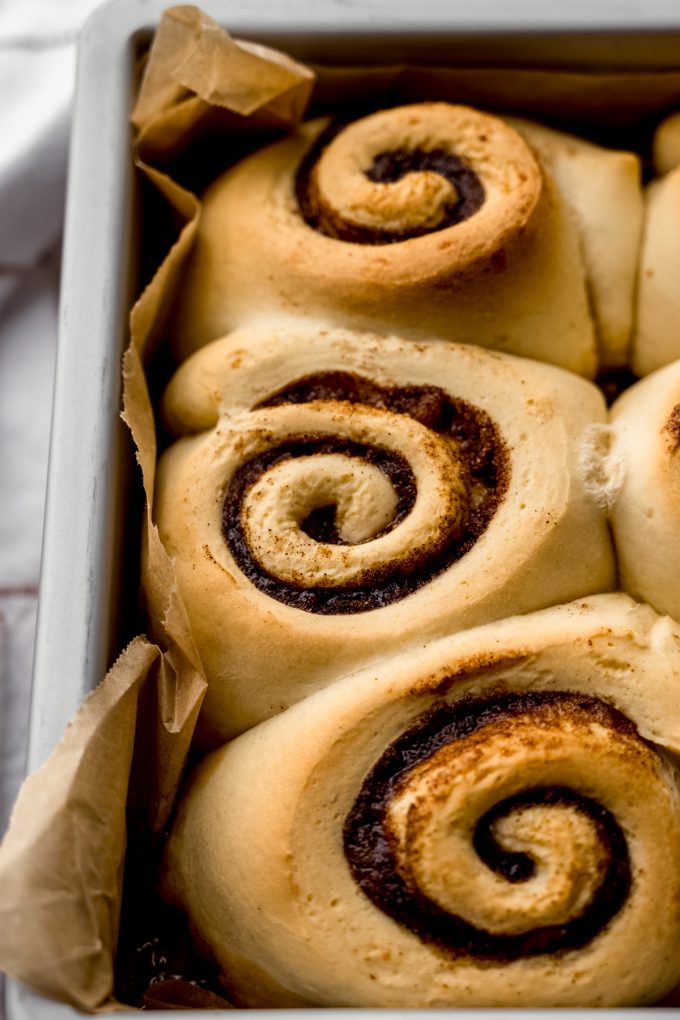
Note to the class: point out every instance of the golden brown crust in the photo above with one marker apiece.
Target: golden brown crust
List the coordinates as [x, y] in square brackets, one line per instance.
[508, 276]
[646, 512]
[666, 144]
[657, 337]
[603, 192]
[532, 799]
[531, 533]
[509, 180]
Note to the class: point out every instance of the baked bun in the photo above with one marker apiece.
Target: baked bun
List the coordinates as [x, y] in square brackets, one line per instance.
[432, 220]
[490, 820]
[657, 338]
[356, 494]
[666, 144]
[646, 513]
[602, 190]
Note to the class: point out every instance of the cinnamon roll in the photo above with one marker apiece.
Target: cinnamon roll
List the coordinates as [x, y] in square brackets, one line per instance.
[645, 451]
[657, 335]
[430, 219]
[666, 144]
[353, 494]
[490, 820]
[603, 192]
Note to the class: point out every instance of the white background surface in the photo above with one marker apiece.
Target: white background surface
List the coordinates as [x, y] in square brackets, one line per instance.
[37, 61]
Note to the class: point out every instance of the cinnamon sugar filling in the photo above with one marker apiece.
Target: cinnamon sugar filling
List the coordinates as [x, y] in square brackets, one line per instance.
[478, 445]
[372, 856]
[387, 168]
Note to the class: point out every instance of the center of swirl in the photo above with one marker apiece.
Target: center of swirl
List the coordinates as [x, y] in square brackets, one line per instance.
[404, 173]
[483, 829]
[398, 194]
[348, 522]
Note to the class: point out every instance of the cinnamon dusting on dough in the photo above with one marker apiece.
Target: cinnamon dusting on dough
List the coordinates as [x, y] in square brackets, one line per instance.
[481, 662]
[372, 851]
[477, 443]
[672, 425]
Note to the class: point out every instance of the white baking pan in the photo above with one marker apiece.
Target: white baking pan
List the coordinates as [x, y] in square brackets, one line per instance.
[90, 555]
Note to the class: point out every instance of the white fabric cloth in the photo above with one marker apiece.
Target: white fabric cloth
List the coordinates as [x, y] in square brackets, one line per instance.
[28, 326]
[37, 73]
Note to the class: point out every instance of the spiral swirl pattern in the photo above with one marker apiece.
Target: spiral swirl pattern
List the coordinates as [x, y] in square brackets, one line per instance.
[348, 494]
[363, 505]
[547, 867]
[490, 820]
[401, 193]
[432, 219]
[359, 183]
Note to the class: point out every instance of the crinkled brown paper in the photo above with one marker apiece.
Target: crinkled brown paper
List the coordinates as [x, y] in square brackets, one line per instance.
[61, 862]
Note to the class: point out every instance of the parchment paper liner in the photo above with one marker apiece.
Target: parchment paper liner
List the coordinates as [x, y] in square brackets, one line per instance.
[123, 754]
